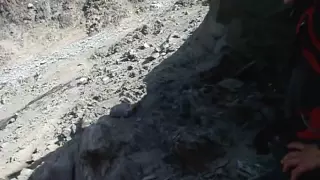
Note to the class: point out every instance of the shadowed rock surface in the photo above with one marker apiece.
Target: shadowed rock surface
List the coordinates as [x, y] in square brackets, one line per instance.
[201, 107]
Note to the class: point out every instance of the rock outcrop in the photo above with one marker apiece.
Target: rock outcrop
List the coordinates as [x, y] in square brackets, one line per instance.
[233, 35]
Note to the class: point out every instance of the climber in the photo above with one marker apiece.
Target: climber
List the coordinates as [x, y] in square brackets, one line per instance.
[295, 137]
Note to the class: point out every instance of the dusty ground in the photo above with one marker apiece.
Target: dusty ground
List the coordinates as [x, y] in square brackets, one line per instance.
[181, 126]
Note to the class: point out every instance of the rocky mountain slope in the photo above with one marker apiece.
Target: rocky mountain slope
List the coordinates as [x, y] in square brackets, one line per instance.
[32, 24]
[159, 95]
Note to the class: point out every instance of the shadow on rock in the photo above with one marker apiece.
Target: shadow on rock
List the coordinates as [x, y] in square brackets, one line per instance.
[183, 127]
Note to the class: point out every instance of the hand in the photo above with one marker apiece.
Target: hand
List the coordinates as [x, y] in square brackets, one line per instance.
[305, 158]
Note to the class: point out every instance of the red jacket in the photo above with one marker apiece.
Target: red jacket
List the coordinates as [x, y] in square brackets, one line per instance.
[308, 32]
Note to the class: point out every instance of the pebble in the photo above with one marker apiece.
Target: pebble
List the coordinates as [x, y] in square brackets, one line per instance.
[25, 174]
[156, 5]
[157, 49]
[132, 75]
[97, 98]
[105, 80]
[30, 6]
[129, 68]
[73, 129]
[146, 45]
[132, 52]
[126, 100]
[145, 30]
[155, 55]
[4, 145]
[12, 120]
[174, 35]
[165, 45]
[83, 81]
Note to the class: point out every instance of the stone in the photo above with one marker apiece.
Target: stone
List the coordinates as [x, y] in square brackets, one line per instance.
[97, 140]
[126, 100]
[130, 55]
[12, 120]
[97, 98]
[25, 174]
[176, 7]
[171, 49]
[105, 80]
[100, 144]
[145, 30]
[156, 5]
[158, 25]
[129, 68]
[151, 58]
[155, 55]
[174, 36]
[231, 84]
[122, 110]
[144, 46]
[73, 129]
[83, 81]
[59, 168]
[164, 46]
[132, 75]
[30, 6]
[157, 49]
